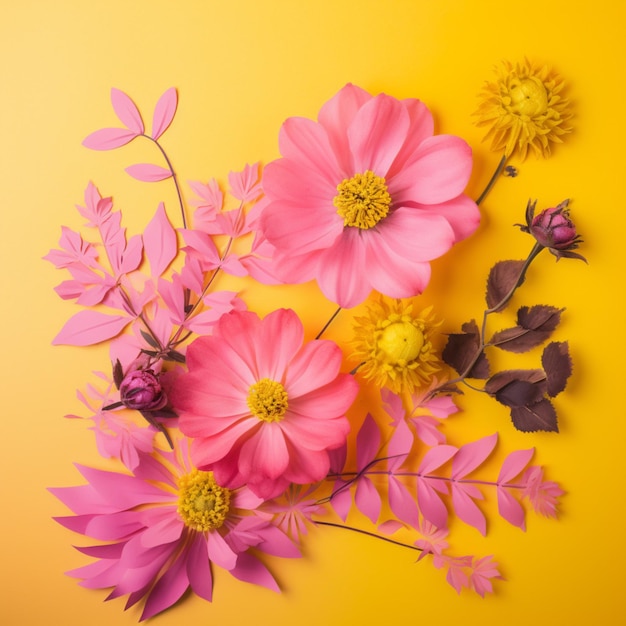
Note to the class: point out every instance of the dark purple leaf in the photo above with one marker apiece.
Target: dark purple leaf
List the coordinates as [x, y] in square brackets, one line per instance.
[535, 325]
[118, 373]
[539, 317]
[557, 363]
[503, 277]
[463, 352]
[501, 379]
[539, 416]
[519, 393]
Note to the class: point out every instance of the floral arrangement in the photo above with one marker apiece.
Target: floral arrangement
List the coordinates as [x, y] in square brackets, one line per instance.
[231, 435]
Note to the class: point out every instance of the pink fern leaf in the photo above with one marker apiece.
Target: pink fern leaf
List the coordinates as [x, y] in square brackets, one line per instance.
[483, 571]
[164, 112]
[148, 172]
[127, 111]
[109, 138]
[245, 185]
[160, 243]
[543, 495]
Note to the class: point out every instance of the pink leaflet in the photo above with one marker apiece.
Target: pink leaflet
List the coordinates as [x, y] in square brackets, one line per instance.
[89, 327]
[108, 138]
[514, 464]
[245, 185]
[482, 571]
[130, 259]
[341, 501]
[149, 173]
[471, 455]
[73, 250]
[430, 504]
[466, 508]
[510, 509]
[402, 503]
[367, 442]
[127, 111]
[367, 499]
[435, 458]
[97, 209]
[173, 295]
[399, 446]
[160, 243]
[164, 112]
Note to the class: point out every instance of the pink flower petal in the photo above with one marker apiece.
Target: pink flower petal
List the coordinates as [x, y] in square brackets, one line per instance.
[265, 453]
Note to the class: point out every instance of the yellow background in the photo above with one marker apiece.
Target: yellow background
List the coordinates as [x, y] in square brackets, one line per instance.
[242, 67]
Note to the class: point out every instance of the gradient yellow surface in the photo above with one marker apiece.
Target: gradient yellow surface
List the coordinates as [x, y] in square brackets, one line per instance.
[242, 67]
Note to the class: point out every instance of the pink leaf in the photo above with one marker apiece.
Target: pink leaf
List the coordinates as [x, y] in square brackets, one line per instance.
[402, 503]
[89, 327]
[367, 442]
[510, 509]
[131, 257]
[435, 458]
[471, 455]
[127, 111]
[148, 172]
[514, 464]
[367, 499]
[390, 526]
[399, 445]
[164, 112]
[341, 501]
[159, 241]
[245, 185]
[430, 504]
[466, 508]
[108, 138]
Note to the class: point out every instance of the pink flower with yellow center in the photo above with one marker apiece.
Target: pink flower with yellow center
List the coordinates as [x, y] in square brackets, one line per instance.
[364, 198]
[162, 528]
[262, 408]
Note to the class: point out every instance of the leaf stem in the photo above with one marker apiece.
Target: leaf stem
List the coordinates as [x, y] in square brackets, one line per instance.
[370, 534]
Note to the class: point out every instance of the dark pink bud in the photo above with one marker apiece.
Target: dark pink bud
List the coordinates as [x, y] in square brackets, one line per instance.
[552, 228]
[141, 390]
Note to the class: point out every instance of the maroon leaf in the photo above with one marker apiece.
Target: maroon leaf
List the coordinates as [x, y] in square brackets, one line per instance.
[538, 416]
[501, 379]
[539, 317]
[519, 393]
[502, 279]
[535, 325]
[557, 363]
[118, 373]
[463, 352]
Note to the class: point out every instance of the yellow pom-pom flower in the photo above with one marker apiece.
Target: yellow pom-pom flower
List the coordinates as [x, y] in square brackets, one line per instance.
[393, 347]
[524, 109]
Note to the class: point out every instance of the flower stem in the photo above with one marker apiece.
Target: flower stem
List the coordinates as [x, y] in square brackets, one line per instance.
[493, 179]
[369, 534]
[328, 323]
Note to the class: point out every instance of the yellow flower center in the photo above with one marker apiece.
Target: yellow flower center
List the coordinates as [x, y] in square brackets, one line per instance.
[528, 97]
[202, 504]
[362, 200]
[400, 343]
[267, 400]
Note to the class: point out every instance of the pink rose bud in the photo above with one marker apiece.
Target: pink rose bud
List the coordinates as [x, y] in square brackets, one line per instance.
[142, 391]
[552, 228]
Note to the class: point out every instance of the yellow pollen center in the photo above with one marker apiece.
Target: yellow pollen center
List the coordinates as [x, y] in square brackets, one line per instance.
[202, 504]
[528, 97]
[362, 200]
[267, 400]
[400, 343]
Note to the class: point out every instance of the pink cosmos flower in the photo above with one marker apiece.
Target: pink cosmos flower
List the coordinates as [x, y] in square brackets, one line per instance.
[161, 529]
[366, 196]
[262, 408]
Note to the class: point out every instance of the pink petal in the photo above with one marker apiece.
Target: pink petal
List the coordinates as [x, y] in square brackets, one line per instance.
[168, 589]
[279, 338]
[315, 365]
[327, 402]
[442, 168]
[220, 552]
[251, 570]
[377, 133]
[199, 569]
[164, 112]
[305, 142]
[205, 451]
[461, 213]
[127, 111]
[336, 115]
[265, 453]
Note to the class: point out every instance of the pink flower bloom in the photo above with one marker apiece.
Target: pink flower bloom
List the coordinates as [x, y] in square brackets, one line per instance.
[366, 196]
[161, 529]
[263, 408]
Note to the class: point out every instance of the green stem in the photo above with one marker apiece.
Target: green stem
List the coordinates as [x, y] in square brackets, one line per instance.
[493, 179]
